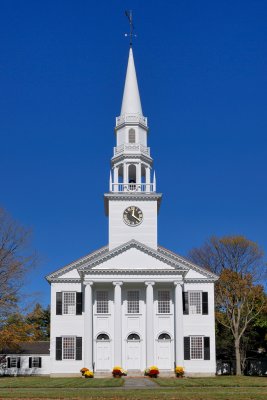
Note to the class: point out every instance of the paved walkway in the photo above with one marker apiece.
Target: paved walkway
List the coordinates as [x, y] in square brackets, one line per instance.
[139, 383]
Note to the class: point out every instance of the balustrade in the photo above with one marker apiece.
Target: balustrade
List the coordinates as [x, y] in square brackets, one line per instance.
[131, 148]
[133, 187]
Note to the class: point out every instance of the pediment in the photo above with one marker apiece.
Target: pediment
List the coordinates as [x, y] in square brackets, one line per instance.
[133, 255]
[133, 259]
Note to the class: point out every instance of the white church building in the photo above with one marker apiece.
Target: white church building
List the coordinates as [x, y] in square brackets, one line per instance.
[132, 302]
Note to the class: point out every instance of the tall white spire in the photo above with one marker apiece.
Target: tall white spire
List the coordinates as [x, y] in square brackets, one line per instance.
[131, 103]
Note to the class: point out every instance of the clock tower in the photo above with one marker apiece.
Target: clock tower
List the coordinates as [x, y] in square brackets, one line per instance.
[132, 203]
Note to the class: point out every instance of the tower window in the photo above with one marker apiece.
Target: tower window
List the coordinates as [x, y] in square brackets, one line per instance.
[131, 136]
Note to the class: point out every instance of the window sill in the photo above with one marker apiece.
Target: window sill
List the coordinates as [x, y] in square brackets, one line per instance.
[133, 314]
[168, 314]
[70, 315]
[102, 315]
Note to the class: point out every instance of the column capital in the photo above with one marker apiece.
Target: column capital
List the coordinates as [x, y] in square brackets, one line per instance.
[149, 283]
[88, 283]
[117, 283]
[180, 282]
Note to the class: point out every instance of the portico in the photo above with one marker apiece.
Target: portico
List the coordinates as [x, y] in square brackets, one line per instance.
[133, 318]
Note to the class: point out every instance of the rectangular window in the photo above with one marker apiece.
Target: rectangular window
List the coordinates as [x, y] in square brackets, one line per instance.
[164, 302]
[102, 302]
[68, 347]
[194, 302]
[196, 347]
[69, 303]
[133, 302]
[35, 362]
[13, 362]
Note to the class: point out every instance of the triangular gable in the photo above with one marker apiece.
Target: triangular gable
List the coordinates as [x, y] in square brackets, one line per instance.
[132, 255]
[133, 259]
[66, 270]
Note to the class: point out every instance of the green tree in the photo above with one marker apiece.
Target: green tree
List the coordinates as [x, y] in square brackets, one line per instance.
[40, 317]
[239, 299]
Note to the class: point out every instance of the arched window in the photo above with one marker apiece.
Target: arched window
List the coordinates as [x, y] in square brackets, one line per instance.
[133, 336]
[131, 135]
[102, 336]
[164, 336]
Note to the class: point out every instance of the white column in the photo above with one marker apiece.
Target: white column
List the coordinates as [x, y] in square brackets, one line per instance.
[179, 330]
[149, 324]
[138, 177]
[125, 173]
[116, 179]
[117, 323]
[88, 325]
[147, 179]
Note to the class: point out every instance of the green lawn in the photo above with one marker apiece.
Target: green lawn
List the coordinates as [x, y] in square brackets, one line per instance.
[218, 381]
[157, 394]
[46, 382]
[217, 388]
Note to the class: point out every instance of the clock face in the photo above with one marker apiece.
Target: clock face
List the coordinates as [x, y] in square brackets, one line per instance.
[132, 216]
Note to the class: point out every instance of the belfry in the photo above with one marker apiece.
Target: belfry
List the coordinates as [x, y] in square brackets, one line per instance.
[132, 302]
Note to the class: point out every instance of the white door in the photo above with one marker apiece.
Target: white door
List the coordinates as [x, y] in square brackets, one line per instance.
[103, 356]
[133, 354]
[164, 354]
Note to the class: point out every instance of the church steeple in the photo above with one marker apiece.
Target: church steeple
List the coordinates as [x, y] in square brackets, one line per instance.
[131, 103]
[131, 162]
[132, 203]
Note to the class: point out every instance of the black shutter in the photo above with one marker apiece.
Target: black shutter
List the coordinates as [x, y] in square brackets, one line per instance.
[79, 303]
[40, 362]
[59, 348]
[205, 303]
[185, 303]
[59, 303]
[206, 348]
[30, 362]
[8, 362]
[187, 348]
[18, 362]
[79, 347]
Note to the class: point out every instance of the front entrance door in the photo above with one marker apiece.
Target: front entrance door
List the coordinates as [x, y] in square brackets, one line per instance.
[164, 352]
[133, 352]
[103, 354]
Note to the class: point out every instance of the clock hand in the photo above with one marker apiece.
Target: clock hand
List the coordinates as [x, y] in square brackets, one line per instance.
[138, 219]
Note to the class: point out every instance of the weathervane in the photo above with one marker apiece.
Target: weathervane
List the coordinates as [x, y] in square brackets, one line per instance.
[129, 15]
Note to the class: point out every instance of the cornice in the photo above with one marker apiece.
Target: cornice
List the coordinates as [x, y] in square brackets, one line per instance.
[188, 263]
[76, 263]
[133, 196]
[199, 280]
[122, 272]
[65, 280]
[129, 156]
[126, 246]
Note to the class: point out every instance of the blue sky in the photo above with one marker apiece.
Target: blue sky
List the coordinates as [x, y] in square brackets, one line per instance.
[202, 77]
